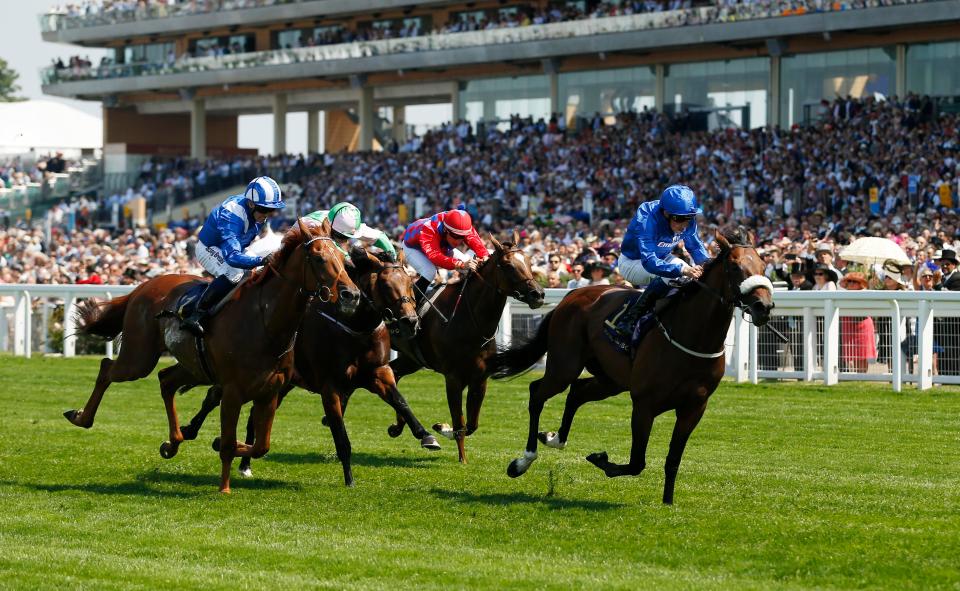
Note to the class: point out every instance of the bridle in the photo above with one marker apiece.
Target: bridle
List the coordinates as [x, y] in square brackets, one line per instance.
[323, 292]
[387, 314]
[501, 265]
[735, 289]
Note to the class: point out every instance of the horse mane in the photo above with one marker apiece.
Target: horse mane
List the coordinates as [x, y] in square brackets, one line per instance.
[292, 238]
[738, 236]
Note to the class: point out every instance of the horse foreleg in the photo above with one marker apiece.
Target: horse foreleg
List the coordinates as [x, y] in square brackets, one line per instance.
[582, 391]
[334, 412]
[210, 402]
[401, 366]
[455, 403]
[251, 438]
[229, 416]
[687, 420]
[384, 385]
[476, 392]
[540, 391]
[640, 424]
[172, 379]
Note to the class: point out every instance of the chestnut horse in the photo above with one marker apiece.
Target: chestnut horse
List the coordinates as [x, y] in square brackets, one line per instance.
[677, 366]
[249, 345]
[458, 334]
[333, 357]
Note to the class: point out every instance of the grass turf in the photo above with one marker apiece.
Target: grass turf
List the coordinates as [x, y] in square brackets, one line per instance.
[782, 486]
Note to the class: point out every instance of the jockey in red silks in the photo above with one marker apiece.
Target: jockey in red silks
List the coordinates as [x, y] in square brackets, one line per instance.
[430, 243]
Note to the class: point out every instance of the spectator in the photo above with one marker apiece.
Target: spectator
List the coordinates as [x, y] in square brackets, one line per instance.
[578, 279]
[824, 278]
[857, 335]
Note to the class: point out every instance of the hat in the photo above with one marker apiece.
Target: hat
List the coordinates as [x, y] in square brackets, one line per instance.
[854, 277]
[607, 269]
[831, 274]
[825, 247]
[796, 268]
[948, 254]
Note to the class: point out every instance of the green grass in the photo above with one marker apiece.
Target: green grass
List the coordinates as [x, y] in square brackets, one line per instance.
[783, 486]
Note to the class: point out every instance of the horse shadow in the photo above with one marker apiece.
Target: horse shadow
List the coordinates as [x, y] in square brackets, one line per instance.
[151, 484]
[520, 498]
[356, 459]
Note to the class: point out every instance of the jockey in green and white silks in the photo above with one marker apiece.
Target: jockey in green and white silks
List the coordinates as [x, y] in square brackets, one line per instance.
[346, 224]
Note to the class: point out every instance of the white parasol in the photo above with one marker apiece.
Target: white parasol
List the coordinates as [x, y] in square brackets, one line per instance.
[871, 251]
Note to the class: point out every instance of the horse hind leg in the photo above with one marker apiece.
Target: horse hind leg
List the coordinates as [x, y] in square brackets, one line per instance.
[132, 364]
[172, 380]
[384, 385]
[245, 470]
[687, 420]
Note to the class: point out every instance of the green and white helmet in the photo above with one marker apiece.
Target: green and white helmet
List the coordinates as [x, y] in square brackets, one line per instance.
[345, 219]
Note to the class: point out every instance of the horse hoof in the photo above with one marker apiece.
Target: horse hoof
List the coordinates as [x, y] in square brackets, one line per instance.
[324, 421]
[514, 470]
[167, 450]
[394, 430]
[430, 442]
[74, 417]
[598, 459]
[444, 429]
[216, 444]
[246, 472]
[550, 439]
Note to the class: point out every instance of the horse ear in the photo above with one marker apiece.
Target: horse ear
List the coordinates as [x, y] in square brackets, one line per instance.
[751, 237]
[724, 245]
[496, 243]
[375, 262]
[401, 258]
[304, 228]
[325, 227]
[516, 237]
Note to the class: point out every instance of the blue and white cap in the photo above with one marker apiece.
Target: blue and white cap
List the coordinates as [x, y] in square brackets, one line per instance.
[265, 192]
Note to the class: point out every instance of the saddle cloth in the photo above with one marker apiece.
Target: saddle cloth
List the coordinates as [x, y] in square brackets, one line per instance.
[616, 334]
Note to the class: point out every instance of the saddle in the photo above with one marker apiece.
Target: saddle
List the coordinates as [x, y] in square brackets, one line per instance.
[615, 325]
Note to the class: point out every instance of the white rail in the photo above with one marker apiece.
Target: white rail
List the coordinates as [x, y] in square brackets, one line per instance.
[917, 334]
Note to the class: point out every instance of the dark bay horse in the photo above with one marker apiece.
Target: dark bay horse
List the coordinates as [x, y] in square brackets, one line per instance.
[458, 332]
[677, 366]
[249, 345]
[335, 356]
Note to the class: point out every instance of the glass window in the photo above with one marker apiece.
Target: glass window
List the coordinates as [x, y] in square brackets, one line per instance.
[327, 34]
[607, 92]
[290, 39]
[808, 78]
[154, 53]
[730, 93]
[496, 99]
[932, 69]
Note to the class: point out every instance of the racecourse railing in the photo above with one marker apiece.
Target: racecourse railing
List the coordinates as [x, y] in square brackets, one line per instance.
[896, 337]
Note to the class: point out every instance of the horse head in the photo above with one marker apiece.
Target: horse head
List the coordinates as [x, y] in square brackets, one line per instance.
[746, 285]
[390, 289]
[513, 275]
[326, 264]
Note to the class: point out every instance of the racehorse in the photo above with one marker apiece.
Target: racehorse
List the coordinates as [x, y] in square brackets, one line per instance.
[248, 347]
[458, 331]
[333, 357]
[677, 366]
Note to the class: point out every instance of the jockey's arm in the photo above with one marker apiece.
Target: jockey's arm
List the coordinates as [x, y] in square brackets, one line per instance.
[379, 239]
[476, 245]
[233, 255]
[653, 264]
[693, 244]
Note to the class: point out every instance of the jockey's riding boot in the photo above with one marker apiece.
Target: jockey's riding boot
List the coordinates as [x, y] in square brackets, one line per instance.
[422, 285]
[215, 292]
[643, 305]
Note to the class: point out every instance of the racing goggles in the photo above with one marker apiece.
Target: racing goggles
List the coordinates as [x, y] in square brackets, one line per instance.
[681, 219]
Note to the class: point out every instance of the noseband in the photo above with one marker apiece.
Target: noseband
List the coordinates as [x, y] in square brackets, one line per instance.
[388, 316]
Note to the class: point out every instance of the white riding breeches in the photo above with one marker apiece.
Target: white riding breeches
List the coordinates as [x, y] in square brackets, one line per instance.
[633, 271]
[211, 259]
[420, 262]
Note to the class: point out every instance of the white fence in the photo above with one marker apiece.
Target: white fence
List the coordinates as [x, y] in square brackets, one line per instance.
[896, 337]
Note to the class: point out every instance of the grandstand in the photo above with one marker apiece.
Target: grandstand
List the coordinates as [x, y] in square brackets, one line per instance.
[191, 68]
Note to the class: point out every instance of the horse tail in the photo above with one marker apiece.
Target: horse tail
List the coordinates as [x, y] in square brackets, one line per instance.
[519, 359]
[102, 319]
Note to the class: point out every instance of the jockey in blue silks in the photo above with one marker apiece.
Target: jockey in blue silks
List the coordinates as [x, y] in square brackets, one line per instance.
[228, 231]
[647, 249]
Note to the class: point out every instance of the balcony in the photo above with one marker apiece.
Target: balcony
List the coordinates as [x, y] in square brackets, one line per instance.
[609, 34]
[94, 27]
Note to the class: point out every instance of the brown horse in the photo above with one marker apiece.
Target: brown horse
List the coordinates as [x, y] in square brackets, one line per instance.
[333, 357]
[458, 334]
[677, 365]
[249, 345]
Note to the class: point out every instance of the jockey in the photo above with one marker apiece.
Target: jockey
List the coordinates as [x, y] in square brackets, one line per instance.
[653, 233]
[228, 231]
[430, 243]
[346, 224]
